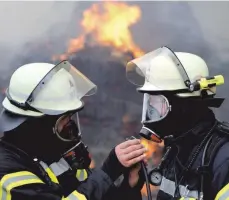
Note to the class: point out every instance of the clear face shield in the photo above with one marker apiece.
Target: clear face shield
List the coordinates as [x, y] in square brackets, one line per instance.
[149, 71]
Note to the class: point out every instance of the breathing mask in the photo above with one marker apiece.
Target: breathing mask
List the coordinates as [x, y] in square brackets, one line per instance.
[67, 129]
[155, 109]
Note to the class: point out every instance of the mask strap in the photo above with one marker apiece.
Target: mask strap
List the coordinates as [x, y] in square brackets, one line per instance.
[78, 123]
[144, 107]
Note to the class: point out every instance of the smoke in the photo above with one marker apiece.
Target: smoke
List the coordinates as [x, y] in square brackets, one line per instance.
[22, 22]
[31, 23]
[212, 18]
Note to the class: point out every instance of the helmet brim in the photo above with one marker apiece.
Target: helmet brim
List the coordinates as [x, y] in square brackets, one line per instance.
[18, 111]
[149, 88]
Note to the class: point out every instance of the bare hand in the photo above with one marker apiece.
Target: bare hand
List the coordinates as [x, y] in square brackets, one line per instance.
[130, 152]
[134, 176]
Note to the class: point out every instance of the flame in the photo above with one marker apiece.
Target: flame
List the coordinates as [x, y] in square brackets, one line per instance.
[154, 155]
[144, 190]
[107, 24]
[92, 165]
[150, 146]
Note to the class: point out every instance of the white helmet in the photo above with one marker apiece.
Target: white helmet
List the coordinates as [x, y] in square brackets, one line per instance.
[164, 70]
[39, 89]
[161, 72]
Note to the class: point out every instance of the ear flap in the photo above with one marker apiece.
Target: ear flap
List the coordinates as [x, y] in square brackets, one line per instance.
[10, 121]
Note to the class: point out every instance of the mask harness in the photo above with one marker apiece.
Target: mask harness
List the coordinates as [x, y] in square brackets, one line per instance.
[154, 177]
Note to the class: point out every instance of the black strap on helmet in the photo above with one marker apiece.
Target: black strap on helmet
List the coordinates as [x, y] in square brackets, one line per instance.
[23, 106]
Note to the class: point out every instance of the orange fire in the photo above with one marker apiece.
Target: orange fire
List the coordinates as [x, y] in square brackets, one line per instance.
[153, 154]
[92, 165]
[150, 146]
[107, 24]
[144, 190]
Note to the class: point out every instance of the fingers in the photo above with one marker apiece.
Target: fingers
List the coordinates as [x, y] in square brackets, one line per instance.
[136, 169]
[134, 154]
[135, 160]
[133, 178]
[132, 148]
[130, 152]
[128, 143]
[145, 161]
[134, 175]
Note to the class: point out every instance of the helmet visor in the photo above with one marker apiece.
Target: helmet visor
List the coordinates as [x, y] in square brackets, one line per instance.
[151, 68]
[66, 86]
[155, 108]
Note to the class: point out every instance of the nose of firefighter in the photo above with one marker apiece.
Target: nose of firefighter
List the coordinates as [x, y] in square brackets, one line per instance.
[148, 134]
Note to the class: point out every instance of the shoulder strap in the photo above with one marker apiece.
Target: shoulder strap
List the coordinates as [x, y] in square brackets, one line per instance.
[213, 148]
[220, 137]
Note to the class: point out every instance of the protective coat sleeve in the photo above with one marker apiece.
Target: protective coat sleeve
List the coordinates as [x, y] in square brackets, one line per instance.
[101, 181]
[112, 167]
[124, 191]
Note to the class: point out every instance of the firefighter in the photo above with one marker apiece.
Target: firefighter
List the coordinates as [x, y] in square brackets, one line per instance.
[42, 155]
[178, 97]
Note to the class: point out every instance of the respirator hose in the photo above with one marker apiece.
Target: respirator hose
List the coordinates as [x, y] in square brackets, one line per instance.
[143, 166]
[147, 180]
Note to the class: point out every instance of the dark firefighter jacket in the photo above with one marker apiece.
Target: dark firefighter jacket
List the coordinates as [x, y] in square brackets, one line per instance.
[216, 179]
[22, 178]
